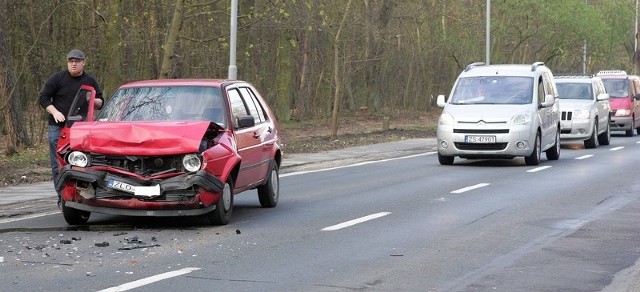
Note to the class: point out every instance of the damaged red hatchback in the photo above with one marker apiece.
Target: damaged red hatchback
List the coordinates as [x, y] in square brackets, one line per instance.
[171, 147]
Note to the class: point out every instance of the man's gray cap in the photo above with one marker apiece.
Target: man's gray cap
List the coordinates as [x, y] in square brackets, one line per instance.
[75, 54]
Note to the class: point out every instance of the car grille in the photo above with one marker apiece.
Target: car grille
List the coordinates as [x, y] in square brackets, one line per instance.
[481, 131]
[142, 165]
[480, 146]
[567, 116]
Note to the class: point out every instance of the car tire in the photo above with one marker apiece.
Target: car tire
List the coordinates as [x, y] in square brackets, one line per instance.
[224, 207]
[445, 160]
[592, 142]
[553, 153]
[75, 216]
[269, 192]
[605, 137]
[534, 158]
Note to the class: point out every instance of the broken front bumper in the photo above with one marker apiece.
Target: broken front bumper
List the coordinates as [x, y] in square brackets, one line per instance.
[94, 190]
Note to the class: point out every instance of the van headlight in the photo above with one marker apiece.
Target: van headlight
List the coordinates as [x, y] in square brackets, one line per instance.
[445, 119]
[77, 158]
[521, 119]
[622, 112]
[191, 162]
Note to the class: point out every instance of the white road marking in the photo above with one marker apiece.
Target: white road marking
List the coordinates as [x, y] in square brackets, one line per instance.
[616, 148]
[539, 168]
[584, 156]
[355, 221]
[355, 164]
[149, 280]
[3, 221]
[462, 190]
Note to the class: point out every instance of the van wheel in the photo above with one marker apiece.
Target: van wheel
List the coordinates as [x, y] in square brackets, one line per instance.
[592, 142]
[75, 216]
[269, 192]
[445, 160]
[534, 158]
[224, 207]
[553, 153]
[605, 137]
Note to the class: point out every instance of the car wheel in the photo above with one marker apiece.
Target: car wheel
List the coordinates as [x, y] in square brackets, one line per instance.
[534, 158]
[269, 193]
[605, 137]
[592, 142]
[553, 153]
[445, 160]
[224, 207]
[74, 216]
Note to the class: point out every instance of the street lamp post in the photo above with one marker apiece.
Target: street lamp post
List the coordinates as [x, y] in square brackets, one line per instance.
[233, 69]
[487, 41]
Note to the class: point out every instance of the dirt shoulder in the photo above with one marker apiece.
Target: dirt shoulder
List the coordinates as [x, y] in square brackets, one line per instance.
[31, 164]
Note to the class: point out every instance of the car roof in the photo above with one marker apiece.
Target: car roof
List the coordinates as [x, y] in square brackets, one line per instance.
[180, 82]
[525, 70]
[574, 78]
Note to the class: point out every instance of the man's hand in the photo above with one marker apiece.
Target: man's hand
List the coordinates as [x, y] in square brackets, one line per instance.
[58, 117]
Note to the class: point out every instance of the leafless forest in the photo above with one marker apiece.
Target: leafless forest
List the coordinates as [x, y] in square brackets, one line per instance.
[310, 58]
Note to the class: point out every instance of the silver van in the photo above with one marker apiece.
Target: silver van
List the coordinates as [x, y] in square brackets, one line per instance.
[500, 111]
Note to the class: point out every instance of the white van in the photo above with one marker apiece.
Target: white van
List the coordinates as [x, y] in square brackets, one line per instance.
[500, 111]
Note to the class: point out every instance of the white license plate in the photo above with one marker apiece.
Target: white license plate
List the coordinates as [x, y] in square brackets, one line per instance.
[479, 139]
[122, 186]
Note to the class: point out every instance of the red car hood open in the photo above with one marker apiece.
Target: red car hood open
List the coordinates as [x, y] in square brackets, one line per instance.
[138, 138]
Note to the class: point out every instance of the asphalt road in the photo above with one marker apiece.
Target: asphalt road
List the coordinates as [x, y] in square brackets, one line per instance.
[362, 219]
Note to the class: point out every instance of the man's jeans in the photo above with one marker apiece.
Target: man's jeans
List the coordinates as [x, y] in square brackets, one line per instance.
[53, 133]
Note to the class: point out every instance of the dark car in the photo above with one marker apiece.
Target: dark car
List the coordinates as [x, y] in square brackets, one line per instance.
[171, 147]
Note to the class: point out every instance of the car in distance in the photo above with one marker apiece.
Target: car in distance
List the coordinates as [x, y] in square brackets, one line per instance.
[624, 100]
[500, 111]
[584, 107]
[171, 147]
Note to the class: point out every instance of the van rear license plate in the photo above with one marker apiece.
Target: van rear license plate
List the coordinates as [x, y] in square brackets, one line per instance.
[479, 139]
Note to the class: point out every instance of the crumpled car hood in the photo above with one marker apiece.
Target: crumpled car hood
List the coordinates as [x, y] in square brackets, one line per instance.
[138, 138]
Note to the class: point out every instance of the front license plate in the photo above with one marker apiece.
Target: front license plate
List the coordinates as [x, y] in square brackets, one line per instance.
[122, 186]
[479, 139]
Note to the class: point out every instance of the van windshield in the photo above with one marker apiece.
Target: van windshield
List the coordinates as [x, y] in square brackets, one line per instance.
[493, 90]
[616, 87]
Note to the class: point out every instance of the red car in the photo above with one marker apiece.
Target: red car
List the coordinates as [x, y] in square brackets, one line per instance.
[171, 147]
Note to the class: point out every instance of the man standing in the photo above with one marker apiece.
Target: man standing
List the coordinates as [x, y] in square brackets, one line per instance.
[56, 97]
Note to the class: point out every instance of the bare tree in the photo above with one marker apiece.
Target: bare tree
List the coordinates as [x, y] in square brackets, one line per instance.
[166, 69]
[336, 74]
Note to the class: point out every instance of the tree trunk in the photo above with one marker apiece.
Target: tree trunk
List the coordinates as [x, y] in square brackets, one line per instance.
[336, 75]
[10, 105]
[168, 59]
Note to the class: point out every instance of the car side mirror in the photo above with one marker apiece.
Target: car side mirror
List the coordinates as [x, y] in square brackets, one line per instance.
[441, 101]
[246, 121]
[549, 100]
[603, 96]
[637, 96]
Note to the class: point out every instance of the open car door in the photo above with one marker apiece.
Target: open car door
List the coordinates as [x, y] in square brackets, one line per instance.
[81, 110]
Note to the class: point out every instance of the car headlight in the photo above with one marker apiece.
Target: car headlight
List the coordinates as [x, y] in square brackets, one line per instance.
[581, 114]
[622, 112]
[445, 119]
[520, 119]
[191, 162]
[77, 158]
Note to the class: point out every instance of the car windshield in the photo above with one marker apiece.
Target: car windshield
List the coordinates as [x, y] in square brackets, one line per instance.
[156, 103]
[574, 90]
[616, 87]
[493, 90]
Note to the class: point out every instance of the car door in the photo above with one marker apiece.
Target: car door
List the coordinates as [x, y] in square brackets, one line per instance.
[81, 110]
[602, 105]
[549, 115]
[255, 142]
